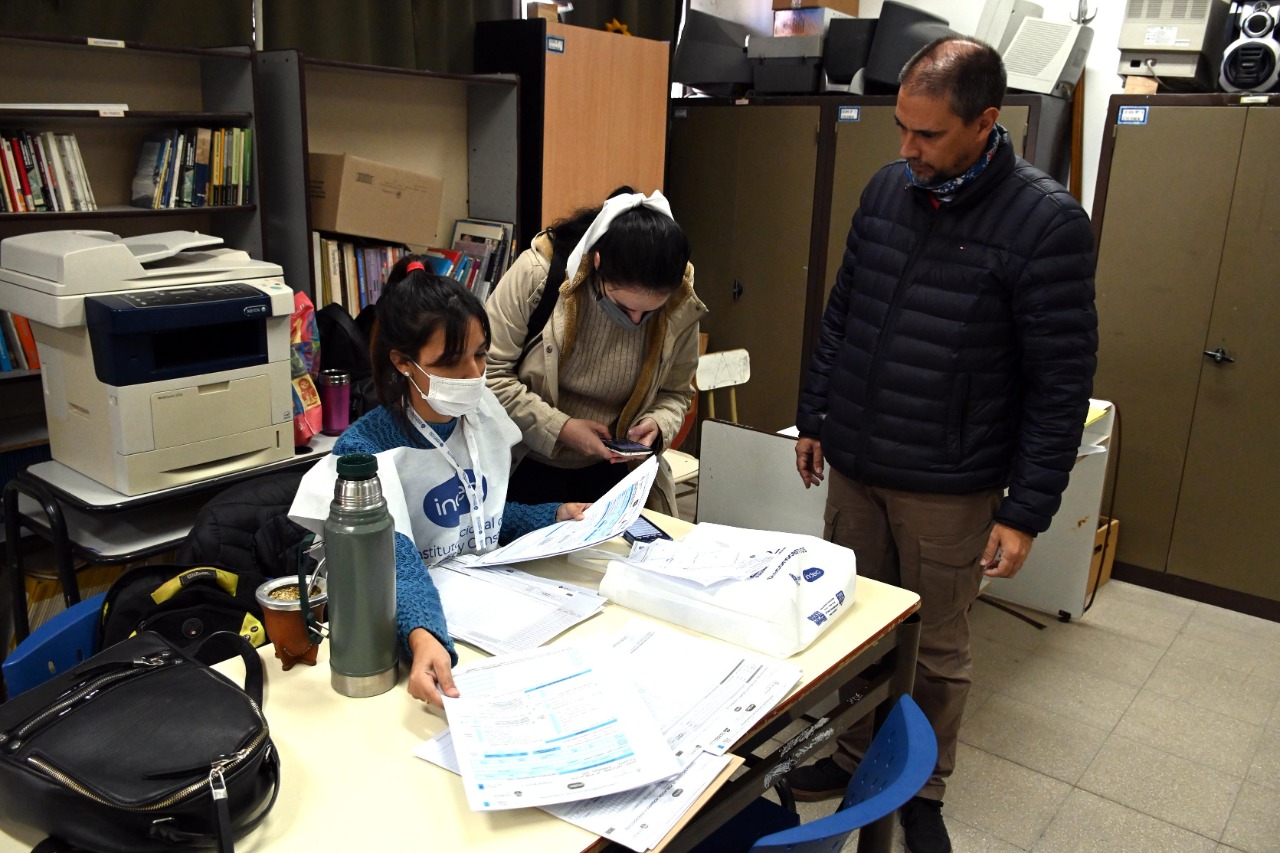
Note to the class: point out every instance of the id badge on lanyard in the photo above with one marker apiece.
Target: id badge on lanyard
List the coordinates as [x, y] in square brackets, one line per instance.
[472, 488]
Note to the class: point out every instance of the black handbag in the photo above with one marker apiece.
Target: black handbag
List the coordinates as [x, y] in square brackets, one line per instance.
[141, 748]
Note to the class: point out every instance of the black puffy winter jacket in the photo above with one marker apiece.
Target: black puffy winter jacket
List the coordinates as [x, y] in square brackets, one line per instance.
[958, 346]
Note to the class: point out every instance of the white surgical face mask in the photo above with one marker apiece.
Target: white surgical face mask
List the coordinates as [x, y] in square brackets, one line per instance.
[452, 398]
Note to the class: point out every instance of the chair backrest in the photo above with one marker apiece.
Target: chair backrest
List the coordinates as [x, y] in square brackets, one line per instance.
[725, 369]
[56, 646]
[900, 760]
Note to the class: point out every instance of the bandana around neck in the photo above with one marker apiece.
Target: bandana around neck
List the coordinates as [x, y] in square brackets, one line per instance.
[946, 191]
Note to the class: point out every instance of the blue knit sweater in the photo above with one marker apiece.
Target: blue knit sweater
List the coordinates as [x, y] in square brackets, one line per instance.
[417, 601]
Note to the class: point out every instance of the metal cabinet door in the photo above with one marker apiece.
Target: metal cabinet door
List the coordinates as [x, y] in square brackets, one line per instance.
[741, 183]
[1225, 530]
[1166, 206]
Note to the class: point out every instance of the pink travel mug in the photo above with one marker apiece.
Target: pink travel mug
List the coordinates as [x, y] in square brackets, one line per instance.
[335, 401]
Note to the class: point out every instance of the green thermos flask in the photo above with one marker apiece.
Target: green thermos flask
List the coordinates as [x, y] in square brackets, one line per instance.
[360, 553]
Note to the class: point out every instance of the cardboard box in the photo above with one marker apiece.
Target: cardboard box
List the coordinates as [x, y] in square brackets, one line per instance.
[809, 21]
[1099, 561]
[361, 198]
[549, 11]
[849, 7]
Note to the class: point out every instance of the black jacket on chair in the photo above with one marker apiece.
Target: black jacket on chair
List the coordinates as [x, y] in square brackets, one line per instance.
[958, 346]
[246, 527]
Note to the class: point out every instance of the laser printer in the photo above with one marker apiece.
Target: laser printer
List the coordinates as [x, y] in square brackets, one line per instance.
[164, 359]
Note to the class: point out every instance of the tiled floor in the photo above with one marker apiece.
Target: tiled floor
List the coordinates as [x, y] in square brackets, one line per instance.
[1150, 724]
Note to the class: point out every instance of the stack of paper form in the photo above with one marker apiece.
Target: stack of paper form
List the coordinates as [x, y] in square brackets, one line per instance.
[509, 729]
[504, 610]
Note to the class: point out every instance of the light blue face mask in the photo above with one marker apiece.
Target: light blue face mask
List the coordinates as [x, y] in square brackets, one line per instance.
[614, 311]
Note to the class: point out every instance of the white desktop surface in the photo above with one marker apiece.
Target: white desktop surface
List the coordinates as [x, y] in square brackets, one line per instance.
[350, 780]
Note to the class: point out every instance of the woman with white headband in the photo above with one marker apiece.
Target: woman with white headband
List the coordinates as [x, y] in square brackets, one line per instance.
[615, 358]
[444, 455]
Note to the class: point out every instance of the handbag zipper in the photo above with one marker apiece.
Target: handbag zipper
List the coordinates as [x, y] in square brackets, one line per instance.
[84, 692]
[220, 767]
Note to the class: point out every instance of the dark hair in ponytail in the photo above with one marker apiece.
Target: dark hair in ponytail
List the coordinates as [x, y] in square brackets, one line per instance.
[414, 306]
[642, 248]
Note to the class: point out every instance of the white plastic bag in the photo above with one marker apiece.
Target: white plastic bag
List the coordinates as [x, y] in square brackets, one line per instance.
[780, 610]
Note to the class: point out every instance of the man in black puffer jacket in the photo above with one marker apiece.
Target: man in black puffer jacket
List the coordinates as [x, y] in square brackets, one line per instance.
[956, 359]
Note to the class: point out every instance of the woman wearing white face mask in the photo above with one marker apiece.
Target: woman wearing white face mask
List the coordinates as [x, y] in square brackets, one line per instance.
[444, 447]
[616, 356]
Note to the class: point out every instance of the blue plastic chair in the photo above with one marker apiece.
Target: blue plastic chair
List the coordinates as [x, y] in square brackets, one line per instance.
[898, 763]
[67, 639]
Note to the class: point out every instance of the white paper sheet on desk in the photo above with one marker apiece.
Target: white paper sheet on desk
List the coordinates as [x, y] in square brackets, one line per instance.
[605, 519]
[551, 726]
[503, 610]
[704, 694]
[703, 563]
[637, 819]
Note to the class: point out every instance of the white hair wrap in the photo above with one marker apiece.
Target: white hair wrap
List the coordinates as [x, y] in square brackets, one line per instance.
[610, 211]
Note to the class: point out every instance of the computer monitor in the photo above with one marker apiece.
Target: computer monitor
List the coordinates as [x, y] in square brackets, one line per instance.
[846, 47]
[711, 55]
[900, 31]
[1000, 20]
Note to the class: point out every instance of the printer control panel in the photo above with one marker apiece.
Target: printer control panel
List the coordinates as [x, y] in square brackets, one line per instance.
[188, 295]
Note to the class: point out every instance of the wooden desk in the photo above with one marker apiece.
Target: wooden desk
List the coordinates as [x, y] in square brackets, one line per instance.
[350, 780]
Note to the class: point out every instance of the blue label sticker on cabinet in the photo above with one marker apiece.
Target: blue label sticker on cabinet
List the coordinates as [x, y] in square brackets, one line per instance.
[555, 44]
[849, 114]
[1132, 115]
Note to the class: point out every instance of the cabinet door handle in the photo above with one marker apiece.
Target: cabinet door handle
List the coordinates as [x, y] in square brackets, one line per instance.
[1219, 356]
[737, 290]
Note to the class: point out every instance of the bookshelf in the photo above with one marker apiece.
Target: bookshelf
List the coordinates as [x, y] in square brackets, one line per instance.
[162, 88]
[461, 129]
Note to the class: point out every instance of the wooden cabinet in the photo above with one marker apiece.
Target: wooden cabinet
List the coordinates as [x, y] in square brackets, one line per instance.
[592, 112]
[458, 128]
[766, 190]
[1186, 270]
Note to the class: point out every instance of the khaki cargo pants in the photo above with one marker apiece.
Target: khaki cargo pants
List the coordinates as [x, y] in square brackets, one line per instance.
[929, 544]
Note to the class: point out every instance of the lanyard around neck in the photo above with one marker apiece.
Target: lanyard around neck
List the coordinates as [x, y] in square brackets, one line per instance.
[471, 485]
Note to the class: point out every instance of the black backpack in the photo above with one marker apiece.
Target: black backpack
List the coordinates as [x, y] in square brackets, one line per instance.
[184, 604]
[344, 345]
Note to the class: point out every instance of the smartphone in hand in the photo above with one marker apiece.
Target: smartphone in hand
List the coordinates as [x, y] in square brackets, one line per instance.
[627, 448]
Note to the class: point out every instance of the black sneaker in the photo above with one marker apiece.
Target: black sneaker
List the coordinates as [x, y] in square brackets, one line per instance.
[821, 780]
[923, 827]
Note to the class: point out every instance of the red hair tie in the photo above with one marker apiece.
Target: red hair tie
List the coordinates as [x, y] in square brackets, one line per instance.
[415, 265]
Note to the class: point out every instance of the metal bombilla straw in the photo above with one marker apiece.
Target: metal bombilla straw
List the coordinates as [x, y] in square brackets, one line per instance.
[316, 630]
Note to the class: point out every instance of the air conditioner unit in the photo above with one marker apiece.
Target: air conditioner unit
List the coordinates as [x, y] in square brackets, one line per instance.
[1177, 40]
[1047, 57]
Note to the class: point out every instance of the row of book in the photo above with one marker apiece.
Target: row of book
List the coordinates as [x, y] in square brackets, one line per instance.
[194, 167]
[480, 253]
[42, 172]
[17, 344]
[352, 271]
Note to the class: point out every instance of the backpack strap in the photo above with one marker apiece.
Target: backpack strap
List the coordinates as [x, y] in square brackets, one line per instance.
[546, 304]
[339, 314]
